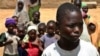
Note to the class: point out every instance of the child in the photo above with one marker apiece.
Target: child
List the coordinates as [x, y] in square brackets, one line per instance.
[50, 37]
[84, 10]
[70, 23]
[9, 39]
[36, 16]
[32, 6]
[21, 13]
[91, 28]
[21, 34]
[78, 3]
[33, 46]
[15, 18]
[36, 20]
[85, 35]
[41, 29]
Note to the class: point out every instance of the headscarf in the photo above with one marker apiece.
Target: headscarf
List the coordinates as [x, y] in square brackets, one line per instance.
[10, 21]
[83, 4]
[31, 28]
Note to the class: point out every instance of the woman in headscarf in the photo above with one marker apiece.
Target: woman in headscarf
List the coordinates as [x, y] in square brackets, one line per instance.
[32, 6]
[21, 13]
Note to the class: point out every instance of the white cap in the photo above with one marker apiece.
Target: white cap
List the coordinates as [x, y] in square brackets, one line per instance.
[32, 28]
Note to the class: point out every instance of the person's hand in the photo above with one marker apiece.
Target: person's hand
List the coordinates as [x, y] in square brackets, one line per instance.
[9, 41]
[23, 44]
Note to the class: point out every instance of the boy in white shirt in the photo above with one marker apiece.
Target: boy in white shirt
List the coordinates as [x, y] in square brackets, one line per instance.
[70, 25]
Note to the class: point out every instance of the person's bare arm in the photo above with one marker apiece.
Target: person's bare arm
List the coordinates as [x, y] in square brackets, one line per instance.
[40, 45]
[7, 42]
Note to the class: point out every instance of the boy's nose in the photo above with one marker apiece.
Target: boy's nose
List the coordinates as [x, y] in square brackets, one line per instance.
[77, 30]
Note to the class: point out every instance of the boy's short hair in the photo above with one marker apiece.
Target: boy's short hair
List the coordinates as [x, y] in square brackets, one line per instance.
[51, 22]
[64, 9]
[36, 12]
[43, 24]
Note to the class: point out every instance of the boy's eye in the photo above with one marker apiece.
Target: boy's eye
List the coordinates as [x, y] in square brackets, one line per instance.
[71, 26]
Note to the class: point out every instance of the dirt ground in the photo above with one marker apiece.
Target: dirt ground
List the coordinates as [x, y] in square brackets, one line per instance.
[46, 14]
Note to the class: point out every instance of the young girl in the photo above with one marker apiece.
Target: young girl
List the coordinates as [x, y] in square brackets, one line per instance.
[21, 34]
[9, 39]
[33, 45]
[41, 29]
[21, 13]
[50, 37]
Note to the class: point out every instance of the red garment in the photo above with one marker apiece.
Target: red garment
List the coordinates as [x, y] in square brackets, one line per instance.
[32, 50]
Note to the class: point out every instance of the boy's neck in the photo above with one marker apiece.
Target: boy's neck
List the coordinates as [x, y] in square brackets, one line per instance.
[36, 22]
[32, 39]
[11, 33]
[19, 10]
[67, 45]
[51, 35]
[39, 35]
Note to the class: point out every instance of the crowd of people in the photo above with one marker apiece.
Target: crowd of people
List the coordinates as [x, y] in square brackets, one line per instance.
[69, 35]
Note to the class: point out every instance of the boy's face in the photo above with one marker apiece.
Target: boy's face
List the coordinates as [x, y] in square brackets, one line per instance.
[21, 32]
[11, 27]
[85, 9]
[20, 5]
[41, 29]
[71, 26]
[32, 34]
[77, 3]
[36, 16]
[50, 28]
[91, 28]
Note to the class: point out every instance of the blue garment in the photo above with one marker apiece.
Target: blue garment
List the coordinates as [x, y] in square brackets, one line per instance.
[22, 52]
[47, 40]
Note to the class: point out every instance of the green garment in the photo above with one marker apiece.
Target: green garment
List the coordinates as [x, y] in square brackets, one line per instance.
[83, 4]
[32, 10]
